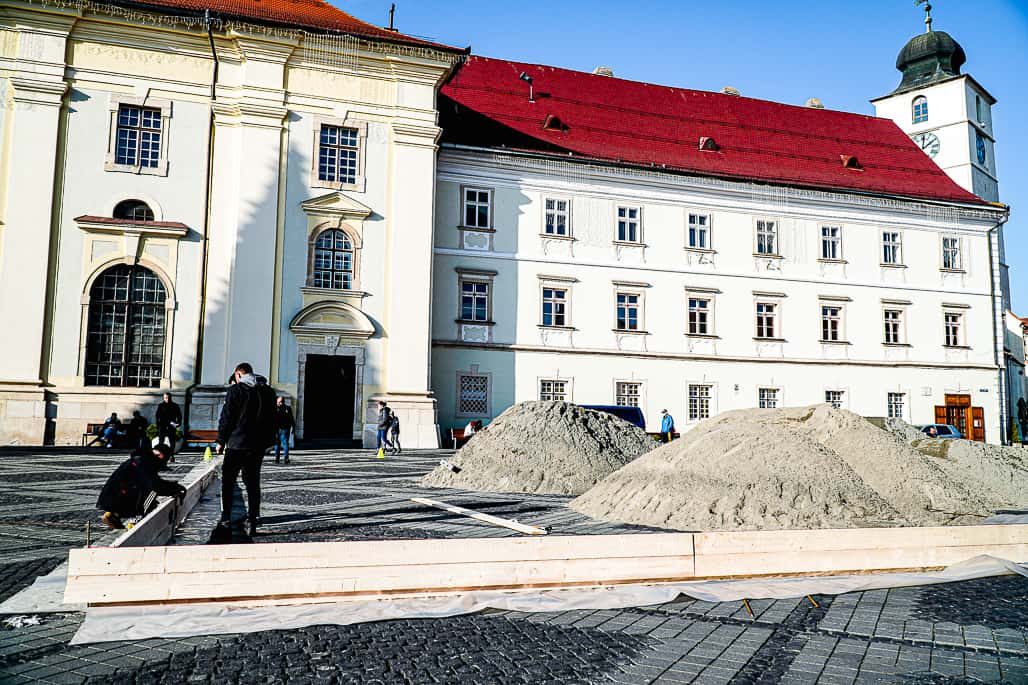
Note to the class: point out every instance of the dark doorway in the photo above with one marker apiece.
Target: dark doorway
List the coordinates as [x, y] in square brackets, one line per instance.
[330, 386]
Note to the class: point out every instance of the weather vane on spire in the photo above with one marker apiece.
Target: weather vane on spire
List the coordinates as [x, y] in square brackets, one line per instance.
[927, 14]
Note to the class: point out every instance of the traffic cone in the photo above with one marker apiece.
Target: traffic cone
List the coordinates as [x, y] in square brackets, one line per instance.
[207, 455]
[381, 453]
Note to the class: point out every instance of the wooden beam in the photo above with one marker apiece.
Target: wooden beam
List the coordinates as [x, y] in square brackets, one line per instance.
[486, 518]
[330, 571]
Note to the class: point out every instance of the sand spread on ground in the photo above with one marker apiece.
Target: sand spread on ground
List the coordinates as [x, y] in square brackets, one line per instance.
[544, 447]
[803, 467]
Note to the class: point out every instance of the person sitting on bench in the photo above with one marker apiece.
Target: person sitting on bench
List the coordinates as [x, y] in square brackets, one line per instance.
[110, 431]
[133, 488]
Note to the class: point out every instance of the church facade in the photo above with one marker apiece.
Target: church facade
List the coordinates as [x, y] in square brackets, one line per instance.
[367, 216]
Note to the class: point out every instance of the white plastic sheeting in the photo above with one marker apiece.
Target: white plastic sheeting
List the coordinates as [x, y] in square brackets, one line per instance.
[104, 624]
[44, 596]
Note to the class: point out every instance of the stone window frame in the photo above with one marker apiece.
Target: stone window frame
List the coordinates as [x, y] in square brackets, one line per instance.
[776, 233]
[844, 396]
[466, 275]
[960, 311]
[170, 307]
[710, 295]
[901, 306]
[569, 386]
[490, 206]
[639, 290]
[113, 106]
[776, 313]
[568, 217]
[564, 283]
[473, 370]
[355, 239]
[836, 303]
[904, 404]
[708, 228]
[349, 121]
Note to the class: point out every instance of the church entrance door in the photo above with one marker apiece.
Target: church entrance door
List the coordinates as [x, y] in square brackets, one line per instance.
[329, 396]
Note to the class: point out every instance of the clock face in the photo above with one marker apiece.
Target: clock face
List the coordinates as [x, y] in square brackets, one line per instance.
[979, 144]
[929, 143]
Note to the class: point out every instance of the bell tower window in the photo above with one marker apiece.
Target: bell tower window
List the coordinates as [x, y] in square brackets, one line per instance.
[920, 109]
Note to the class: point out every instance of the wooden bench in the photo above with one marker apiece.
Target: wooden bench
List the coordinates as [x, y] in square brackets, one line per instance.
[201, 438]
[92, 431]
[457, 437]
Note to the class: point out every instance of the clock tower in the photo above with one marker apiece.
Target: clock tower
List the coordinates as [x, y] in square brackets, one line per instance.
[948, 114]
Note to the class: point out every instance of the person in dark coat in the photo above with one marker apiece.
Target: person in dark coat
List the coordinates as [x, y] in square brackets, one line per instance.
[385, 417]
[133, 488]
[110, 431]
[168, 418]
[137, 430]
[394, 434]
[284, 425]
[245, 430]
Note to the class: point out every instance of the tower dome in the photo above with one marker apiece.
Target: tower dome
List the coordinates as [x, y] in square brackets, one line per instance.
[928, 58]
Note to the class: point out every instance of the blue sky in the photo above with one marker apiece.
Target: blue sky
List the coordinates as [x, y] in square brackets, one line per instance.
[843, 53]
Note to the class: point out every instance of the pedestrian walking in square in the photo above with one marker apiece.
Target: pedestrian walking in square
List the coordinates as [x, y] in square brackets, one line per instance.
[394, 433]
[245, 430]
[168, 419]
[284, 424]
[384, 419]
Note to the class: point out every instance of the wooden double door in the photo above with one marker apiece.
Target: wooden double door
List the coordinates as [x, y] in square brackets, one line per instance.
[957, 411]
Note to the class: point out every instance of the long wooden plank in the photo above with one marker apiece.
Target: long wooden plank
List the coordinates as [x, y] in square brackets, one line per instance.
[478, 516]
[307, 571]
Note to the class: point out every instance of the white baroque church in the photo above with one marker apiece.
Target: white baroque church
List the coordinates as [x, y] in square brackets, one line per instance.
[367, 216]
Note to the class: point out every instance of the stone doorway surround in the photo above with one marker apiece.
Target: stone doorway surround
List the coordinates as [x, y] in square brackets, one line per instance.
[332, 329]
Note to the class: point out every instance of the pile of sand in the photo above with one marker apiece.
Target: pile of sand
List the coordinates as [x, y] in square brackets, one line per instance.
[807, 467]
[543, 447]
[1001, 470]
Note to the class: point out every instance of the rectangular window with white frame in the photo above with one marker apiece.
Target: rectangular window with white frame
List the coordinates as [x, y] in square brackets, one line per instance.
[555, 306]
[699, 237]
[952, 259]
[477, 207]
[557, 217]
[700, 398]
[701, 315]
[767, 320]
[629, 224]
[896, 405]
[892, 248]
[767, 398]
[892, 318]
[836, 398]
[553, 390]
[627, 393]
[137, 142]
[831, 322]
[475, 300]
[472, 395]
[629, 310]
[953, 329]
[767, 238]
[338, 154]
[831, 243]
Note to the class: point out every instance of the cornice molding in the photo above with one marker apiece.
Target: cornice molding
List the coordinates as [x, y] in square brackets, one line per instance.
[493, 161]
[37, 91]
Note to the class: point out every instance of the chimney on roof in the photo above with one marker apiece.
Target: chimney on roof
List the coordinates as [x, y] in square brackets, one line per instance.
[604, 71]
[728, 90]
[814, 103]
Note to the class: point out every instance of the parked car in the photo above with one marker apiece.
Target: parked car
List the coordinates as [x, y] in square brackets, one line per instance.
[943, 431]
[633, 415]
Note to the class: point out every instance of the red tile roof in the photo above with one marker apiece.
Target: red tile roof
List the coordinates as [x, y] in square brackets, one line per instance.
[309, 14]
[603, 118]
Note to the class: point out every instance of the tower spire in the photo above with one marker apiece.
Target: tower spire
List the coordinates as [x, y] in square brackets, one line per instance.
[927, 14]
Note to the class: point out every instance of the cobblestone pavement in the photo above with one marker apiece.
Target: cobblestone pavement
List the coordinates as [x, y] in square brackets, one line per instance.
[968, 632]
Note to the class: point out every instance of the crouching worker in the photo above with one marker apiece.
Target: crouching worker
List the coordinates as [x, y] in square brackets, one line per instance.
[133, 488]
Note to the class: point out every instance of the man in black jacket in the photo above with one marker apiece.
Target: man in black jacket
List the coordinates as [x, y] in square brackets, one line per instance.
[168, 418]
[133, 488]
[246, 428]
[284, 424]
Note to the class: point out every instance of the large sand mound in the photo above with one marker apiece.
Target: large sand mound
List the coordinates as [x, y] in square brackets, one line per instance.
[1001, 470]
[544, 447]
[808, 467]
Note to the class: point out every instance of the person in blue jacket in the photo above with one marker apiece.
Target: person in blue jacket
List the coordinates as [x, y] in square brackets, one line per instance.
[667, 426]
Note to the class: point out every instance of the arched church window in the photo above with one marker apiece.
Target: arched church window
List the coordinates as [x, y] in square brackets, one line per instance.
[920, 106]
[333, 261]
[126, 329]
[133, 210]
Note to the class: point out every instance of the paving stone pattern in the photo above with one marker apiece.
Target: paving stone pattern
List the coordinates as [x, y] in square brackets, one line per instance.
[971, 632]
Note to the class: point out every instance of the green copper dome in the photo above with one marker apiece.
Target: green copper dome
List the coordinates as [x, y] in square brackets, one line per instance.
[929, 58]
